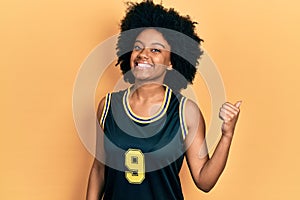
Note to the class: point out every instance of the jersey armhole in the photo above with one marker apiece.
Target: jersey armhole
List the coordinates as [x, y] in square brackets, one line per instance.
[183, 125]
[105, 110]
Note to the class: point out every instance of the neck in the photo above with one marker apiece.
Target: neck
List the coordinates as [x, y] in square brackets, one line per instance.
[147, 91]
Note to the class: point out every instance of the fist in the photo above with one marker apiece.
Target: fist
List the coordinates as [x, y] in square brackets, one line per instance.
[229, 113]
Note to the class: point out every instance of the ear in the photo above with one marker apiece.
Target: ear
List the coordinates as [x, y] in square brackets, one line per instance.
[170, 67]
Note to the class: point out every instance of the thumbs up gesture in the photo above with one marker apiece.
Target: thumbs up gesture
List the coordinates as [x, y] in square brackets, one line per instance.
[229, 113]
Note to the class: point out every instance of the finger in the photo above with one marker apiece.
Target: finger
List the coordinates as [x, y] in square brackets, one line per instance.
[226, 116]
[223, 117]
[238, 104]
[230, 113]
[231, 108]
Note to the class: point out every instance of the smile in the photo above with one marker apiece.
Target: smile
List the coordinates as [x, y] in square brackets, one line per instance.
[143, 65]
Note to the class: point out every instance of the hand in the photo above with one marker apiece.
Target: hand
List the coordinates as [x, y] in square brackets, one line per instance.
[229, 113]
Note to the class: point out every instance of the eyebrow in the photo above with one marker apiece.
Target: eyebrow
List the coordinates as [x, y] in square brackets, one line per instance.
[154, 43]
[157, 43]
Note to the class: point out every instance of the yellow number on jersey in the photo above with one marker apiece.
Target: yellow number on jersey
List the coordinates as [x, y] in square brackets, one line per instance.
[134, 161]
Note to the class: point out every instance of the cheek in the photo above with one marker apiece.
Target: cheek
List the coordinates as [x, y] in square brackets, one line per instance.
[167, 56]
[167, 59]
[132, 58]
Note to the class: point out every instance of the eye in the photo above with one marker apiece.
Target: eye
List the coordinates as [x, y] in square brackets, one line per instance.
[137, 48]
[155, 50]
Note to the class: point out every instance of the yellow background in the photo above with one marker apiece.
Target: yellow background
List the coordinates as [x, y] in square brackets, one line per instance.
[255, 45]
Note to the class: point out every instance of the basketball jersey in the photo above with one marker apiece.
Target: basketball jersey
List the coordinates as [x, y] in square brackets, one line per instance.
[143, 154]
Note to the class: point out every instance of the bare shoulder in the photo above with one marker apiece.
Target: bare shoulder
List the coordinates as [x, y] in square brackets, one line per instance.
[100, 107]
[191, 105]
[192, 113]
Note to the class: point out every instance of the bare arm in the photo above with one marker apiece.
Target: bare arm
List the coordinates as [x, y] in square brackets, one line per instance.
[96, 178]
[206, 171]
[96, 181]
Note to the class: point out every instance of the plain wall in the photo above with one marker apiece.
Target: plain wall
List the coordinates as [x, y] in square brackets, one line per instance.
[255, 45]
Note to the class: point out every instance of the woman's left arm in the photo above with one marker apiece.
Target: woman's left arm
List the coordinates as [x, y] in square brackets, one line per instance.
[206, 171]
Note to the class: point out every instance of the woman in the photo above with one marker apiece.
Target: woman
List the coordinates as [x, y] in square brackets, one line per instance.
[150, 127]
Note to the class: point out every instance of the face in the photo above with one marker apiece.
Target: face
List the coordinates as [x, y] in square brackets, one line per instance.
[150, 57]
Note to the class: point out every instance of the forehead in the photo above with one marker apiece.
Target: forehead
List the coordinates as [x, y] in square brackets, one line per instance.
[152, 36]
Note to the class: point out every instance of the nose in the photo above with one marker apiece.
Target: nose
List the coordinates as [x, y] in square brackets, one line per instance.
[143, 54]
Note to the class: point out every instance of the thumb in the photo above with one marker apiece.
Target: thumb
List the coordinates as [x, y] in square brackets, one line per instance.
[238, 104]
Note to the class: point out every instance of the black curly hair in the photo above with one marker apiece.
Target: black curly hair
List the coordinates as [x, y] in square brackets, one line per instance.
[179, 32]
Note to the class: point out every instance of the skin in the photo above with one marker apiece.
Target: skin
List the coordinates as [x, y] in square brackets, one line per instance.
[152, 51]
[149, 61]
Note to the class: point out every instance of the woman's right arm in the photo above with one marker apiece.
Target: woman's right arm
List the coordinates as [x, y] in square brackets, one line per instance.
[96, 179]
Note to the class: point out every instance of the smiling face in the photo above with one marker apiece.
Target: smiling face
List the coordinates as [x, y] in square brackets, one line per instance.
[150, 57]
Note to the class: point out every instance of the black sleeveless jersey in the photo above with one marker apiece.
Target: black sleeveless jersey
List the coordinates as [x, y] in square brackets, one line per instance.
[143, 154]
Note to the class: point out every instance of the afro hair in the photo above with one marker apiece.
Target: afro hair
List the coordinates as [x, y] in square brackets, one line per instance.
[179, 32]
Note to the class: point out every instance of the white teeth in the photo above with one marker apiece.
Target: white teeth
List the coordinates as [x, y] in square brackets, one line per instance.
[143, 65]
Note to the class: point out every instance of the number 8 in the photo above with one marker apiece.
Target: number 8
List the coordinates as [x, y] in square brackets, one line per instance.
[134, 161]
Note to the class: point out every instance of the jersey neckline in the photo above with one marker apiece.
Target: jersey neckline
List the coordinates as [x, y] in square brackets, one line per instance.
[163, 108]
